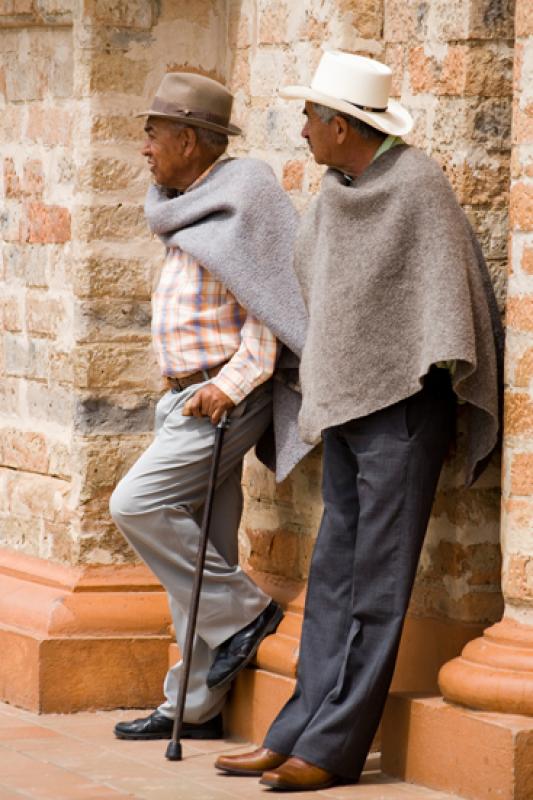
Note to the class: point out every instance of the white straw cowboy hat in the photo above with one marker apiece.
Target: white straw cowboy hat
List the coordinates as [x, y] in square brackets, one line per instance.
[194, 100]
[356, 86]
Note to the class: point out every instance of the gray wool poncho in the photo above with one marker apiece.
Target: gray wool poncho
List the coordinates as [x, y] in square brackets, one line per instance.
[240, 225]
[395, 281]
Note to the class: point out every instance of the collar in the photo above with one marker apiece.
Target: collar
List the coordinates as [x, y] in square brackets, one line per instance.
[387, 144]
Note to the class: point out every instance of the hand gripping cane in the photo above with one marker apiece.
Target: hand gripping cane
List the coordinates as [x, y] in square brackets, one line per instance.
[174, 746]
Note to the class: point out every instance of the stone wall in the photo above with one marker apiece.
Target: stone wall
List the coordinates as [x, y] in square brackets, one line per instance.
[453, 69]
[37, 121]
[79, 381]
[456, 59]
[124, 51]
[518, 463]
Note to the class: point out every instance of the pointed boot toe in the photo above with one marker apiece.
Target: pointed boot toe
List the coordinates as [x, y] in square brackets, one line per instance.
[297, 775]
[252, 764]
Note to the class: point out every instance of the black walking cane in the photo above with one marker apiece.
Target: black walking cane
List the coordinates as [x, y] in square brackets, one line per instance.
[174, 746]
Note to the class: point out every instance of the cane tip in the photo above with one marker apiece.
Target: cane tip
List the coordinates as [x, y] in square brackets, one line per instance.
[173, 751]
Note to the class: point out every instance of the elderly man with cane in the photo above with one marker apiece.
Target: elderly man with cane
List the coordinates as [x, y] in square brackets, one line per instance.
[227, 313]
[402, 325]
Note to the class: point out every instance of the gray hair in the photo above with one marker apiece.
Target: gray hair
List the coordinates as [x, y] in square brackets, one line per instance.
[326, 114]
[211, 140]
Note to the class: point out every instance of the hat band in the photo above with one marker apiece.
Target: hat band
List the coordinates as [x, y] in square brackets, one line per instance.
[365, 108]
[163, 107]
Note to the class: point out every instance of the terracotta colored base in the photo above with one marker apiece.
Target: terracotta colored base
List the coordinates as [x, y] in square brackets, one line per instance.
[474, 754]
[80, 638]
[98, 637]
[494, 672]
[258, 694]
[256, 698]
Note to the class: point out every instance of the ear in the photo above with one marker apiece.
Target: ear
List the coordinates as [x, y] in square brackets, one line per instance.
[340, 129]
[189, 141]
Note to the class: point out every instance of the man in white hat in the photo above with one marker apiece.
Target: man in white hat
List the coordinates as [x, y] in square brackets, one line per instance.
[403, 323]
[227, 311]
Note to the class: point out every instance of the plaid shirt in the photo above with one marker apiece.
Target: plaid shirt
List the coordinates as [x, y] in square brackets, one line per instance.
[197, 324]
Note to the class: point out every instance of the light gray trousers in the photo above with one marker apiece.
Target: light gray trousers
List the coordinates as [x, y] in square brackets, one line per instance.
[158, 507]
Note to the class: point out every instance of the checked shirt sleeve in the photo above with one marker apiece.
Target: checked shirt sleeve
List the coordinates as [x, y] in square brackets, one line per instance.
[252, 364]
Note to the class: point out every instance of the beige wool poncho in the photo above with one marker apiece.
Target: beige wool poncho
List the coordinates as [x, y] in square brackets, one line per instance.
[394, 281]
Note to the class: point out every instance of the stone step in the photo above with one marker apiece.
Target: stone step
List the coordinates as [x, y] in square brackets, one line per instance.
[475, 754]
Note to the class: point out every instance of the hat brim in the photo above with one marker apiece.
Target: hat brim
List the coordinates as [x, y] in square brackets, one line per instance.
[396, 120]
[194, 122]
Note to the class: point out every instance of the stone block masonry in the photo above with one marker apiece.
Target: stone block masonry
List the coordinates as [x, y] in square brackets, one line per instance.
[494, 673]
[453, 67]
[36, 65]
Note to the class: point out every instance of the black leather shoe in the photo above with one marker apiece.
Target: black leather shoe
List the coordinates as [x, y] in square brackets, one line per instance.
[157, 726]
[236, 652]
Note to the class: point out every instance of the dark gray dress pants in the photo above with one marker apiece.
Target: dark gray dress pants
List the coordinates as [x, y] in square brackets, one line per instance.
[380, 476]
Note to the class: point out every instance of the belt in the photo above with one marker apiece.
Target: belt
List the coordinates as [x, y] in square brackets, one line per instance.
[196, 377]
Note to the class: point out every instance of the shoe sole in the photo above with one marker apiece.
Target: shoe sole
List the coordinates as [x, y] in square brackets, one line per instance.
[147, 736]
[243, 773]
[270, 628]
[138, 737]
[281, 787]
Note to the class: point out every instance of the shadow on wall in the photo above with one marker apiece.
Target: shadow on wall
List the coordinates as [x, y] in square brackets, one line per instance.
[194, 37]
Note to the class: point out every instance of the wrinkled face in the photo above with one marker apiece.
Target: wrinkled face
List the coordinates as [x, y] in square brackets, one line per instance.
[165, 151]
[320, 136]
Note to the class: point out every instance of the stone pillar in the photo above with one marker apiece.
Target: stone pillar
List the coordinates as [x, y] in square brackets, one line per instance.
[480, 736]
[82, 623]
[496, 672]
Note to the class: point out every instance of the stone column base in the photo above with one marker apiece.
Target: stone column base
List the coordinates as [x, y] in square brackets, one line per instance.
[475, 754]
[494, 672]
[80, 638]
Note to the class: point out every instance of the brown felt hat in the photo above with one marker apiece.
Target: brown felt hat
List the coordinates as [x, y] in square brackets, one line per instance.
[195, 100]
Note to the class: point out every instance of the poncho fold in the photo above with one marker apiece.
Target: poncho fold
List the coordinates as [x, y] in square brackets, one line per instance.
[395, 282]
[240, 225]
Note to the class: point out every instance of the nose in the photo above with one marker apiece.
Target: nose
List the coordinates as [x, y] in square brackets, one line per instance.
[305, 130]
[146, 149]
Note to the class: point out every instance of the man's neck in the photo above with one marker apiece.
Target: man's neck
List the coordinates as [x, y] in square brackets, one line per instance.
[360, 158]
[195, 172]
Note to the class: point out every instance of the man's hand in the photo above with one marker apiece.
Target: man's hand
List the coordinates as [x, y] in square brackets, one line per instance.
[208, 402]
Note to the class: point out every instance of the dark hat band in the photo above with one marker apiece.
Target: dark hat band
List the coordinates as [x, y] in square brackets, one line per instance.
[162, 107]
[366, 108]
